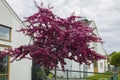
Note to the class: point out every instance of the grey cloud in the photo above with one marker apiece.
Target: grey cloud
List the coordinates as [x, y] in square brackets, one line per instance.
[104, 12]
[23, 8]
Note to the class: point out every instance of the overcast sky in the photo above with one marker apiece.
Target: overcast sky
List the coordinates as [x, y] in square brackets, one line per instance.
[106, 14]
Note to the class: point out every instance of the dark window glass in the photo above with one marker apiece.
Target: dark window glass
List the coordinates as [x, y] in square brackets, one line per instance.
[5, 32]
[3, 78]
[3, 66]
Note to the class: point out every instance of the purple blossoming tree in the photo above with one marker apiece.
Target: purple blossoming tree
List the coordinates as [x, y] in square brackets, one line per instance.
[56, 39]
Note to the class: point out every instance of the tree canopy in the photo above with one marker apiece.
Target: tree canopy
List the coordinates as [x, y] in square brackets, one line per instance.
[56, 39]
[115, 59]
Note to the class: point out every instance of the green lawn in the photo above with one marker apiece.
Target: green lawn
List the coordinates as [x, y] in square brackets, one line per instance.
[99, 76]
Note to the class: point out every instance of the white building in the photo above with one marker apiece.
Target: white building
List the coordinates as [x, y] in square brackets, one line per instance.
[21, 70]
[9, 23]
[99, 66]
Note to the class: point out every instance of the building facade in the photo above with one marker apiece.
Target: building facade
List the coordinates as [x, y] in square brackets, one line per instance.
[9, 23]
[99, 66]
[21, 70]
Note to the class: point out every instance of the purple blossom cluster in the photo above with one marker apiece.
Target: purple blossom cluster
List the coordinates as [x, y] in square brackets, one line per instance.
[56, 39]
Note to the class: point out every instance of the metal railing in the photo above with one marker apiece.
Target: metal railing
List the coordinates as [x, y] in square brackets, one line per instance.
[40, 74]
[81, 75]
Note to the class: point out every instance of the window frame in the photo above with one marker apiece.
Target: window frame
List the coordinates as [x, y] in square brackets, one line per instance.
[8, 73]
[10, 33]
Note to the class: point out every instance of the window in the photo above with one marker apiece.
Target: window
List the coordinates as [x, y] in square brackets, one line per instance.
[105, 65]
[95, 63]
[5, 33]
[88, 67]
[95, 46]
[101, 65]
[95, 66]
[4, 65]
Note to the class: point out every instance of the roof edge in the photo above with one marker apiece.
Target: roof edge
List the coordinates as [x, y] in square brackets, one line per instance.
[12, 12]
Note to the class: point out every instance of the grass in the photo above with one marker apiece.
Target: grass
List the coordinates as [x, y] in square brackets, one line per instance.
[100, 76]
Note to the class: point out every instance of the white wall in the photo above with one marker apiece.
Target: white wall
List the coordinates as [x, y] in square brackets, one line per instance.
[20, 70]
[75, 67]
[100, 50]
[90, 68]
